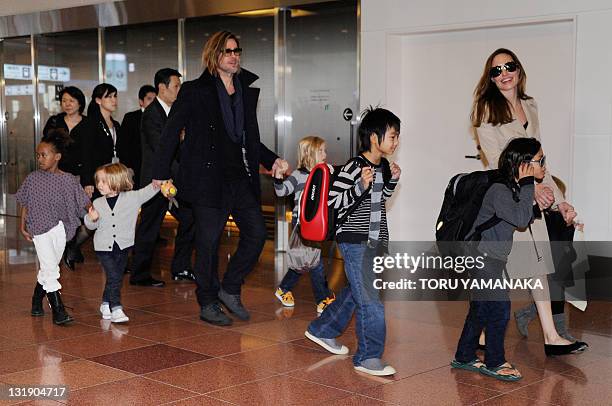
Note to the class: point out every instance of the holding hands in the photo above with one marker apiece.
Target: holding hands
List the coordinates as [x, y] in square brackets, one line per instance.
[25, 233]
[279, 168]
[544, 196]
[89, 190]
[568, 212]
[93, 214]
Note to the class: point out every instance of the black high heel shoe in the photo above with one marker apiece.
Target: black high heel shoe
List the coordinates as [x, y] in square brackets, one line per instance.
[572, 348]
[68, 262]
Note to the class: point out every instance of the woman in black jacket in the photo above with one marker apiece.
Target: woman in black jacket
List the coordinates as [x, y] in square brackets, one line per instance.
[96, 147]
[99, 145]
[72, 120]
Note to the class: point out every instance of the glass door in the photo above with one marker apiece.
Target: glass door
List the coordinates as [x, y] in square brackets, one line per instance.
[322, 93]
[17, 129]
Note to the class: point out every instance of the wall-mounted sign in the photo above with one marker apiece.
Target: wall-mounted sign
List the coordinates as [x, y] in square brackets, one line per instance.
[22, 90]
[48, 73]
[116, 71]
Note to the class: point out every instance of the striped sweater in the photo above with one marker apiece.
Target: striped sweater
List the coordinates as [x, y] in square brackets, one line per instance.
[294, 184]
[346, 191]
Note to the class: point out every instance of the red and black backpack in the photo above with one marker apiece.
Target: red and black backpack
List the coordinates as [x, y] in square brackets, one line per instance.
[319, 221]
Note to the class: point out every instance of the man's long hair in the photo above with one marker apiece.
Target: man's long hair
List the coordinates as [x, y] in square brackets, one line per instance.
[213, 48]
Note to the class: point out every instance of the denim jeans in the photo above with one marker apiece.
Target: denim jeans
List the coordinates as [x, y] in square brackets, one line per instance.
[318, 281]
[114, 263]
[491, 312]
[359, 297]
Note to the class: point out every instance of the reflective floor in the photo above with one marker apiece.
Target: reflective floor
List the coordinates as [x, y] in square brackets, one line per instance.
[165, 355]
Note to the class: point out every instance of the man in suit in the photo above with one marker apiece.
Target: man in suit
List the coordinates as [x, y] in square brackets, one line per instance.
[219, 171]
[168, 83]
[128, 143]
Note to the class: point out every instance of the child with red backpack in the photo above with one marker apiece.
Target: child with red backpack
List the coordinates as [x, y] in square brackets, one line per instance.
[369, 174]
[311, 151]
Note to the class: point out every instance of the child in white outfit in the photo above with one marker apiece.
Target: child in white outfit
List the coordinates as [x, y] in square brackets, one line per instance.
[52, 203]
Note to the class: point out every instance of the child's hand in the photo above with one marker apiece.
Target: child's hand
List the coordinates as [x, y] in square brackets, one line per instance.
[367, 176]
[89, 190]
[525, 170]
[93, 214]
[396, 171]
[168, 189]
[568, 212]
[279, 168]
[544, 196]
[25, 234]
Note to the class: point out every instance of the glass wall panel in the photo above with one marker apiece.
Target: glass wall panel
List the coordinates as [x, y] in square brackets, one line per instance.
[321, 76]
[19, 114]
[133, 54]
[65, 59]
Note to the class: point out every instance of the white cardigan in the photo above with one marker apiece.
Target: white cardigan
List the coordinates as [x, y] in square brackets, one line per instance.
[119, 224]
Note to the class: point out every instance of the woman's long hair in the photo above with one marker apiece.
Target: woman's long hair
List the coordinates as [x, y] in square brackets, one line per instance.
[518, 151]
[490, 105]
[93, 110]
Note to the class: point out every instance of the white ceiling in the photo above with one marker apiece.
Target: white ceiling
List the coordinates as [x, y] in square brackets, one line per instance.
[14, 7]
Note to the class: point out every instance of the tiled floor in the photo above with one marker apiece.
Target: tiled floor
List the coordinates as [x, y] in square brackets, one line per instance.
[165, 355]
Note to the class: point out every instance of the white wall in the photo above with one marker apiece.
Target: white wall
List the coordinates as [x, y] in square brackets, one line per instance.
[385, 22]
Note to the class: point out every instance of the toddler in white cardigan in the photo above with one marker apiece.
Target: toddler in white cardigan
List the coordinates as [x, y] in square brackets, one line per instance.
[114, 216]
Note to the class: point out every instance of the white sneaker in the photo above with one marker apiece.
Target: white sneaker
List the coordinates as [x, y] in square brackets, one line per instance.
[330, 344]
[106, 311]
[376, 367]
[117, 316]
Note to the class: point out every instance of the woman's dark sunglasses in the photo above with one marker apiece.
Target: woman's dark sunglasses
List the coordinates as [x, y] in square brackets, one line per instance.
[497, 70]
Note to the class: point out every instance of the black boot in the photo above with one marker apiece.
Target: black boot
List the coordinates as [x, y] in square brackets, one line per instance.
[37, 299]
[60, 316]
[69, 255]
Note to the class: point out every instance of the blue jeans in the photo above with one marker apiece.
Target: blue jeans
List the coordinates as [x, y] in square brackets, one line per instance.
[318, 281]
[114, 263]
[359, 297]
[489, 310]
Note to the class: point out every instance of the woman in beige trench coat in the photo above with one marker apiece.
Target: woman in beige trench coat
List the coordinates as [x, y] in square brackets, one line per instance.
[502, 111]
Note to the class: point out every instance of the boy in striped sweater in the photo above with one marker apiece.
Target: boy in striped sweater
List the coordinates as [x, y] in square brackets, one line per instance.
[367, 181]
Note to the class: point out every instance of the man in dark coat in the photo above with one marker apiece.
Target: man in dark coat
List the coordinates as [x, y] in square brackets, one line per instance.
[219, 171]
[128, 143]
[168, 83]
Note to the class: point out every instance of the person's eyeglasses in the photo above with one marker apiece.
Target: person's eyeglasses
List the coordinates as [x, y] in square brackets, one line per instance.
[497, 70]
[229, 51]
[541, 161]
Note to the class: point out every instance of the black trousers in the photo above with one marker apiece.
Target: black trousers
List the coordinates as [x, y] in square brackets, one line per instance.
[151, 219]
[240, 201]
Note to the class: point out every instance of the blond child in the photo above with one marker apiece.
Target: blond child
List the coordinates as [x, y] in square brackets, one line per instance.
[311, 151]
[113, 216]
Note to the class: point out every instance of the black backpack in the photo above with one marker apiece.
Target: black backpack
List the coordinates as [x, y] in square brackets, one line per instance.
[462, 202]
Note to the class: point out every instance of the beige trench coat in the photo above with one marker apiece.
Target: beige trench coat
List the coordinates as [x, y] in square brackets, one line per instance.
[525, 260]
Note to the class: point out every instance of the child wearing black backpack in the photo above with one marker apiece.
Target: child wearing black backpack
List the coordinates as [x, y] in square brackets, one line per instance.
[510, 201]
[366, 182]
